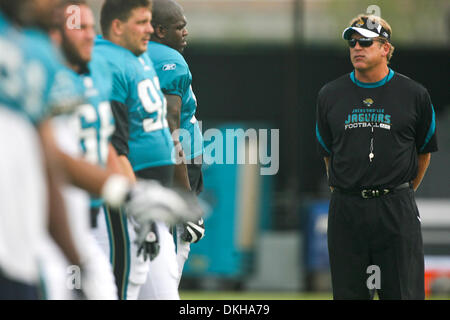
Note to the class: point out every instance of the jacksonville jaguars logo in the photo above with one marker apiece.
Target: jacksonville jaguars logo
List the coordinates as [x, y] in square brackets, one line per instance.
[368, 102]
[359, 23]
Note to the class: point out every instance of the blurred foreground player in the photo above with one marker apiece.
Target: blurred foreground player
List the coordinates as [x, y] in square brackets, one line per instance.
[85, 134]
[35, 68]
[31, 205]
[376, 130]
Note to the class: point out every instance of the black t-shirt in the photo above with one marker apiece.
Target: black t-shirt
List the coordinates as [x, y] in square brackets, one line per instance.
[392, 120]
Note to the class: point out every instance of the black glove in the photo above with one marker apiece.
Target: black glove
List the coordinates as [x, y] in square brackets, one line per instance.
[147, 240]
[193, 231]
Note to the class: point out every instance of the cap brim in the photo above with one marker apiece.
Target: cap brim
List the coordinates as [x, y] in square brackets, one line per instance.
[346, 35]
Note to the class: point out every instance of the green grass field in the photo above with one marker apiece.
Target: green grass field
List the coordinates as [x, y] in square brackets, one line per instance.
[246, 295]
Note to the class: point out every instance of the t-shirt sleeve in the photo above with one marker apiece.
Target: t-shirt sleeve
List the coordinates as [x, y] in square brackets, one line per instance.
[174, 78]
[426, 125]
[323, 132]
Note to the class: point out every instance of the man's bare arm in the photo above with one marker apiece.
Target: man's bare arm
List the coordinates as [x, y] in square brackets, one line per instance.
[327, 164]
[89, 177]
[174, 118]
[120, 164]
[126, 168]
[423, 163]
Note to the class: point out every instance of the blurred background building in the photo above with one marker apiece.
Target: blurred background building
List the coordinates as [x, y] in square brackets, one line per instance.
[260, 64]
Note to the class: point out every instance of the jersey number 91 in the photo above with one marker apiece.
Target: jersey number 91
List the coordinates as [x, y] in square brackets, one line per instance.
[152, 102]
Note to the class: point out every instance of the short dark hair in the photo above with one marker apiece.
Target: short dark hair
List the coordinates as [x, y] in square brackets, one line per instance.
[119, 9]
[11, 9]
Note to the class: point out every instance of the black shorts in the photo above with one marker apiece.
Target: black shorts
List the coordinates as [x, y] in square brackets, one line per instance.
[384, 232]
[163, 174]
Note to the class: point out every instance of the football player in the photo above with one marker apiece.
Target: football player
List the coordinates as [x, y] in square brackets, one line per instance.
[50, 85]
[165, 50]
[32, 207]
[94, 125]
[142, 137]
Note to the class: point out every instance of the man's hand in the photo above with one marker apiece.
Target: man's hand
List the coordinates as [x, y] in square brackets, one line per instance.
[193, 231]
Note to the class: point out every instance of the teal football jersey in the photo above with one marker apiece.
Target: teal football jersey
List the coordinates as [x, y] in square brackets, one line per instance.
[33, 79]
[96, 122]
[94, 116]
[176, 79]
[136, 85]
[12, 71]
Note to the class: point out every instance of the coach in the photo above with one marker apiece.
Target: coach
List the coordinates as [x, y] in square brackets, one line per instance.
[376, 130]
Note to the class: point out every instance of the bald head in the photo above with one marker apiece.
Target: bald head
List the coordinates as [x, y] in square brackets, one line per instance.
[166, 12]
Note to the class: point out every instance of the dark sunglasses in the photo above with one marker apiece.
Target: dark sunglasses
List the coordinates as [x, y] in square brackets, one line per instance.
[363, 42]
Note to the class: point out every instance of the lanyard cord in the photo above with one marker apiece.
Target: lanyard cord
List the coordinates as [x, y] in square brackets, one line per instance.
[371, 155]
[383, 86]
